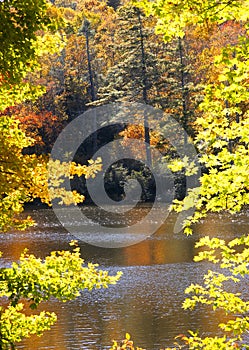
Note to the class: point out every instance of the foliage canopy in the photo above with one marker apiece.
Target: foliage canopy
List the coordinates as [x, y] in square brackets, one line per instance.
[222, 143]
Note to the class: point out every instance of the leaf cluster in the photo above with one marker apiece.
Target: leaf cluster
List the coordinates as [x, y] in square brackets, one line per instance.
[222, 140]
[232, 258]
[62, 275]
[24, 177]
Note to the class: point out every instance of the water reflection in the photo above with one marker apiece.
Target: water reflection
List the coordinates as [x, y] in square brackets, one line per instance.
[146, 302]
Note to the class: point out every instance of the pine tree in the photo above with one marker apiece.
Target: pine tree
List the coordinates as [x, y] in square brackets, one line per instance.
[148, 70]
[131, 76]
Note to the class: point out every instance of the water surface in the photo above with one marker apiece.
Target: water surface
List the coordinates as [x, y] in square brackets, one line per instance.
[147, 300]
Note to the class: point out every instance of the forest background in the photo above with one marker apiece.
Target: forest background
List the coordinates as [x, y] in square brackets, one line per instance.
[60, 58]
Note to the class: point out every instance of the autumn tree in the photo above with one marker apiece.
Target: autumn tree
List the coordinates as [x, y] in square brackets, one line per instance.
[20, 50]
[23, 177]
[18, 57]
[73, 77]
[222, 142]
[41, 126]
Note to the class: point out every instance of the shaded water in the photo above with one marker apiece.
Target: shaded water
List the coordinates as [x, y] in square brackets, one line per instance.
[147, 300]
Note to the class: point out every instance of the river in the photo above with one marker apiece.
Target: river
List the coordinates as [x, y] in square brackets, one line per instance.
[147, 300]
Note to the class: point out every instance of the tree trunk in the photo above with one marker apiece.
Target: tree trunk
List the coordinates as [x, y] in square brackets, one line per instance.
[145, 90]
[184, 92]
[90, 74]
